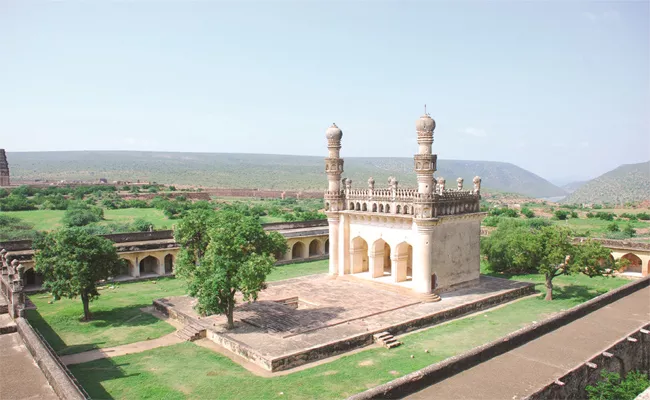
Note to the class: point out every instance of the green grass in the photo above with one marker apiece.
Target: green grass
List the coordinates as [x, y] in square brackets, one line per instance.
[47, 220]
[596, 225]
[117, 316]
[189, 371]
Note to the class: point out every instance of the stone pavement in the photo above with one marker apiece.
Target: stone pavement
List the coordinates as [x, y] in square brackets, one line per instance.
[20, 377]
[329, 311]
[524, 370]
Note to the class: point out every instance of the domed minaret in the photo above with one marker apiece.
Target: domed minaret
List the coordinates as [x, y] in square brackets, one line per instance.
[334, 195]
[425, 162]
[334, 163]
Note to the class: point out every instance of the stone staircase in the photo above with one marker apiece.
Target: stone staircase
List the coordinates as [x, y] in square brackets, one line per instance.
[386, 339]
[191, 332]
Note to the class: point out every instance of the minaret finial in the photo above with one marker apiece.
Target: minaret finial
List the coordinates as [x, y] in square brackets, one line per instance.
[425, 109]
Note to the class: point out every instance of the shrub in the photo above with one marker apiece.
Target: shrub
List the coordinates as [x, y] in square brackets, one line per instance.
[574, 214]
[644, 216]
[561, 214]
[629, 230]
[590, 215]
[527, 212]
[613, 227]
[612, 387]
[81, 214]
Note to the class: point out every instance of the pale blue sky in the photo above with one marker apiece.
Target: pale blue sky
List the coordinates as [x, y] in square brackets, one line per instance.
[559, 88]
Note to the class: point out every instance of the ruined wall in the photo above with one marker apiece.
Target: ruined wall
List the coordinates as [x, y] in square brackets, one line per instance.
[456, 252]
[4, 169]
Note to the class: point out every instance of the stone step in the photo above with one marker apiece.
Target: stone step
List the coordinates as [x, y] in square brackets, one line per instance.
[390, 340]
[381, 335]
[394, 344]
[7, 324]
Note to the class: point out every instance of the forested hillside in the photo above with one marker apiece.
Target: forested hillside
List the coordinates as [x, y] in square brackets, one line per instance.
[627, 183]
[260, 170]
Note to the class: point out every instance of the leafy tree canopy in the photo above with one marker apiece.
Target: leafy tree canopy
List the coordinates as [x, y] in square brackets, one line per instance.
[72, 261]
[222, 253]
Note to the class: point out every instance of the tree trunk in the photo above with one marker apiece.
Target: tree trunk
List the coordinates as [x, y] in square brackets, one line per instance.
[549, 287]
[84, 299]
[230, 312]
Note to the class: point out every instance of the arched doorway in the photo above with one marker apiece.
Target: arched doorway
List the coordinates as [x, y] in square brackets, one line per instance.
[403, 262]
[169, 264]
[313, 248]
[359, 255]
[30, 277]
[380, 264]
[298, 250]
[634, 265]
[327, 246]
[149, 265]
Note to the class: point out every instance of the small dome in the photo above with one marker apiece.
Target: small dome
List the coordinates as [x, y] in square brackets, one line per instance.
[333, 133]
[425, 124]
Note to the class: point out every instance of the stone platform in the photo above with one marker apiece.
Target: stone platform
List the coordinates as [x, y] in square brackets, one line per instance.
[301, 320]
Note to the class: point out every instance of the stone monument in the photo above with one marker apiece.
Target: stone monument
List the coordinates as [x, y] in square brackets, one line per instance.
[424, 239]
[4, 169]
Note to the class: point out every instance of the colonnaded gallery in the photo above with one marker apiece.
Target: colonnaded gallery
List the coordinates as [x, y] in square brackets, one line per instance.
[424, 239]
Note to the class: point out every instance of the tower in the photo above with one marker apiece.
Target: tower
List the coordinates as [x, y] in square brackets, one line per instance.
[334, 201]
[4, 169]
[425, 161]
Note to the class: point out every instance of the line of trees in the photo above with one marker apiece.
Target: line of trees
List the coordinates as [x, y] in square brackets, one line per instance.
[522, 247]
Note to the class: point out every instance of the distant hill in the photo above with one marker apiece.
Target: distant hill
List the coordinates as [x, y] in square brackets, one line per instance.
[573, 186]
[261, 170]
[630, 182]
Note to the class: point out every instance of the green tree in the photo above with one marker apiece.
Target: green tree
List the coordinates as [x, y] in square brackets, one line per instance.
[613, 227]
[223, 253]
[555, 256]
[72, 261]
[612, 387]
[629, 230]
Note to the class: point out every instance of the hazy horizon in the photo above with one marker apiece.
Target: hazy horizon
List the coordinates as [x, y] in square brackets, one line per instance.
[561, 90]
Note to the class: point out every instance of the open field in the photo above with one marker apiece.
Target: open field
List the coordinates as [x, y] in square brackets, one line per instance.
[47, 220]
[117, 316]
[189, 371]
[598, 226]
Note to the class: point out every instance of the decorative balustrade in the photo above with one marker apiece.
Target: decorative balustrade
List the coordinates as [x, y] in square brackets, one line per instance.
[12, 285]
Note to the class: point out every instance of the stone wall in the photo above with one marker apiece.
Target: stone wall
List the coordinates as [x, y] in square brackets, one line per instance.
[277, 226]
[57, 375]
[628, 354]
[434, 373]
[456, 252]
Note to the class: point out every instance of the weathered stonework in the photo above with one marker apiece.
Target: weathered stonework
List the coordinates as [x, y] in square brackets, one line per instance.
[425, 238]
[4, 169]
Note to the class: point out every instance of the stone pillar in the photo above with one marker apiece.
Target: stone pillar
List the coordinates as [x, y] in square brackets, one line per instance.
[422, 255]
[398, 266]
[334, 221]
[136, 268]
[344, 246]
[376, 262]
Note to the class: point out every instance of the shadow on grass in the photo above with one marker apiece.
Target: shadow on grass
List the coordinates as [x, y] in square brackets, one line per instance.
[129, 316]
[92, 374]
[580, 293]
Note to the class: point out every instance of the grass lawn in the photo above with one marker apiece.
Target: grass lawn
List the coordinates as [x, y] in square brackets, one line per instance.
[117, 316]
[189, 371]
[47, 220]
